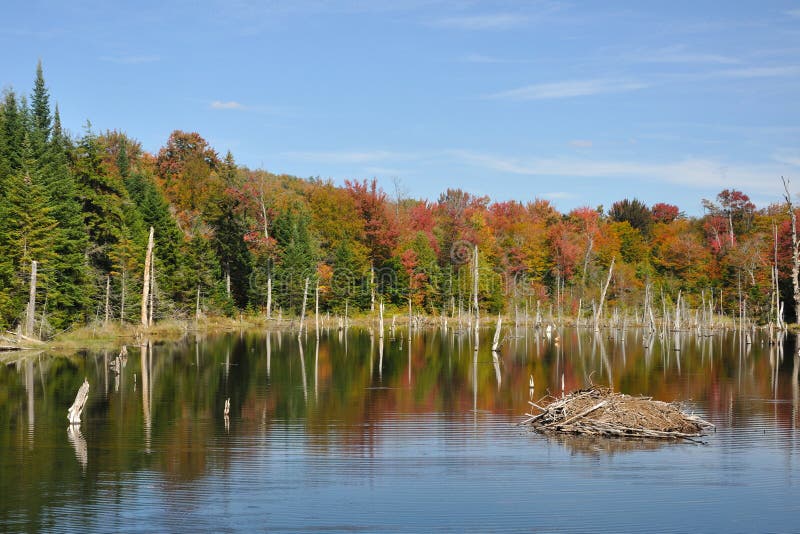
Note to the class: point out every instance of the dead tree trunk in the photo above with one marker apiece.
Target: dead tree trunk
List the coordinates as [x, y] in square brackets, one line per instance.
[380, 319]
[303, 310]
[778, 304]
[197, 305]
[496, 340]
[122, 300]
[475, 275]
[371, 289]
[108, 294]
[316, 308]
[30, 314]
[795, 251]
[75, 411]
[599, 313]
[146, 285]
[269, 297]
[152, 289]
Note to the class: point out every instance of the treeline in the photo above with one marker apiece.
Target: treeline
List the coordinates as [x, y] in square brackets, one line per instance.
[229, 239]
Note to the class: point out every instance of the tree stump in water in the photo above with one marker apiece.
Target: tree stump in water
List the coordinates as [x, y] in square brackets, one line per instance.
[75, 411]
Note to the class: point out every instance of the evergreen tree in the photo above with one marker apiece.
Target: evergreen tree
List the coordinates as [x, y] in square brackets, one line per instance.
[296, 257]
[27, 235]
[70, 290]
[229, 231]
[232, 251]
[12, 132]
[169, 240]
[103, 196]
[347, 283]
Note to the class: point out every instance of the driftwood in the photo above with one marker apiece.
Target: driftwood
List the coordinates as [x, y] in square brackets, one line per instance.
[601, 412]
[75, 411]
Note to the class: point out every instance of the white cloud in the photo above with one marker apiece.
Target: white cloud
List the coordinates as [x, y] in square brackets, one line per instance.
[570, 89]
[232, 104]
[557, 195]
[794, 13]
[696, 173]
[130, 60]
[760, 72]
[678, 54]
[581, 143]
[787, 157]
[495, 21]
[349, 157]
[481, 58]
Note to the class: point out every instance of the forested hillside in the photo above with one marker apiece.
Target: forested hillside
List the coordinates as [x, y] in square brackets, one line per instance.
[82, 206]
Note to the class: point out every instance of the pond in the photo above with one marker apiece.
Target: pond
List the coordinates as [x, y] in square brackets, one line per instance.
[347, 432]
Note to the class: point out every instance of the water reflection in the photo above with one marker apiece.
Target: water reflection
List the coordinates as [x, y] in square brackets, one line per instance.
[437, 393]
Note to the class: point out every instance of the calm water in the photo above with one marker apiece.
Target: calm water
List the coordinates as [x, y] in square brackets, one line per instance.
[329, 435]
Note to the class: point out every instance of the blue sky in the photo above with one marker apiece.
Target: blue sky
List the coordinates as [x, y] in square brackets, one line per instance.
[582, 103]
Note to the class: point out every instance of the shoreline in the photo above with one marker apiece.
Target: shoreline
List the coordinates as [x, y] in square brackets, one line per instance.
[114, 336]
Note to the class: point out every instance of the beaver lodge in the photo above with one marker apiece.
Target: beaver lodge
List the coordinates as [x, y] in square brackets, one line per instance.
[599, 411]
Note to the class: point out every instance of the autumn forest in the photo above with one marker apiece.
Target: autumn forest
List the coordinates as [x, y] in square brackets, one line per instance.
[230, 240]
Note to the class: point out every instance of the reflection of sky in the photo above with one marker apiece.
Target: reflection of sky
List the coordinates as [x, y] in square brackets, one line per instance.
[431, 473]
[371, 452]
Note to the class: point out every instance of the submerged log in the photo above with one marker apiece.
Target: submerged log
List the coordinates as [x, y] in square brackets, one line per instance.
[75, 411]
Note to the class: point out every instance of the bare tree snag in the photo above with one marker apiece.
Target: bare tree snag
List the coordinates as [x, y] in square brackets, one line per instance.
[197, 305]
[475, 274]
[122, 300]
[795, 250]
[496, 341]
[152, 289]
[316, 308]
[371, 288]
[599, 313]
[30, 314]
[108, 295]
[269, 297]
[75, 411]
[303, 310]
[146, 284]
[380, 320]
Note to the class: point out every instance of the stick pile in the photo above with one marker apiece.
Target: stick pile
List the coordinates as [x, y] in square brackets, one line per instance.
[601, 412]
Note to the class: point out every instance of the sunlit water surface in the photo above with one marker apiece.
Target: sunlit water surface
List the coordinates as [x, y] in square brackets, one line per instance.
[350, 433]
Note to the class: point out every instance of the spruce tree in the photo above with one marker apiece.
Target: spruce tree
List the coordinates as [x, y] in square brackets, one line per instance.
[27, 233]
[103, 195]
[12, 133]
[71, 289]
[296, 256]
